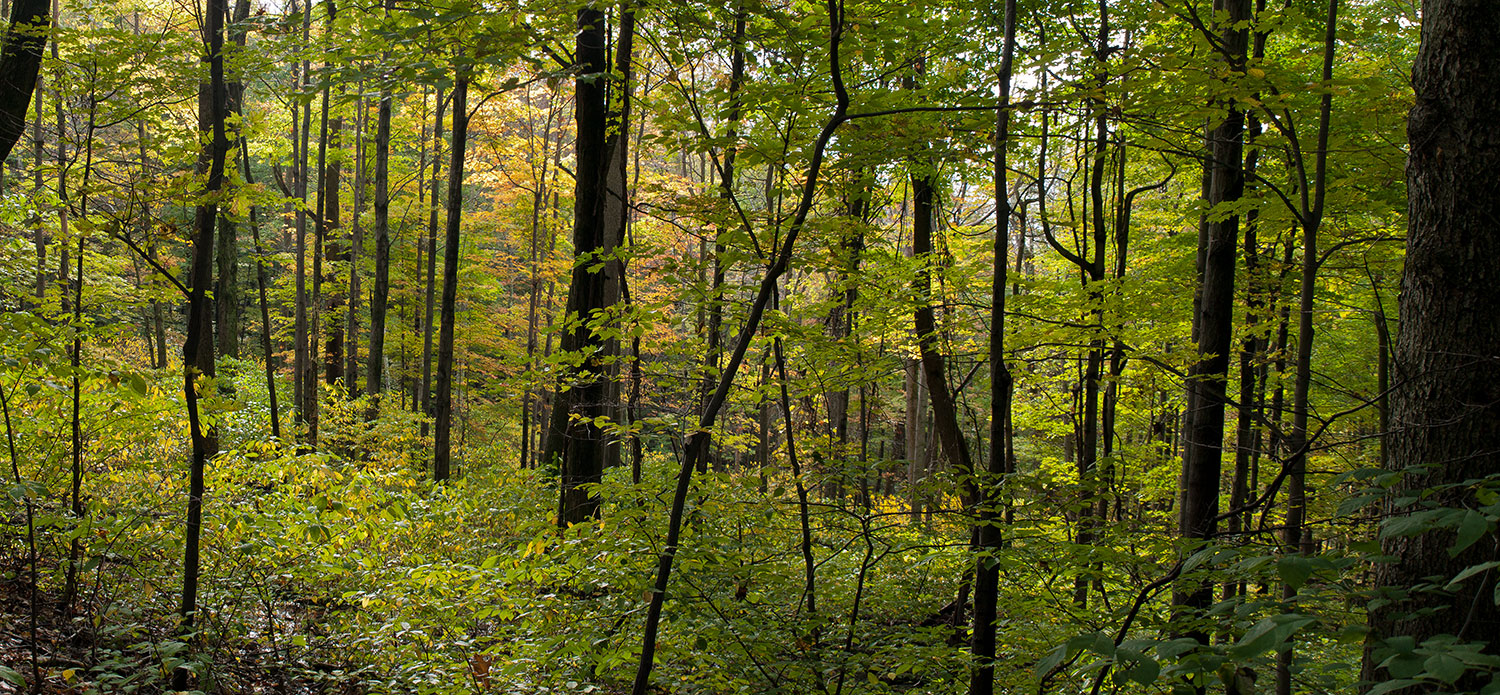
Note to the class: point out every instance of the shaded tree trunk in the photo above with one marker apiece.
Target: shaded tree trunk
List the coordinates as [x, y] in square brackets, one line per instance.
[442, 454]
[20, 64]
[1445, 411]
[988, 534]
[380, 294]
[301, 352]
[1203, 426]
[353, 251]
[944, 411]
[198, 348]
[423, 399]
[579, 446]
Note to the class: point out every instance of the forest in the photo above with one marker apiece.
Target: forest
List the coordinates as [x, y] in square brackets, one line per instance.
[775, 346]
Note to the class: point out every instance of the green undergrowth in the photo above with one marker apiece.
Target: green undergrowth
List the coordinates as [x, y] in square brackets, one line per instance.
[348, 570]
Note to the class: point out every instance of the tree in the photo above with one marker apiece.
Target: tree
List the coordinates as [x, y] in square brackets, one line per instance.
[988, 533]
[20, 62]
[1203, 425]
[375, 372]
[577, 441]
[198, 349]
[442, 447]
[1445, 410]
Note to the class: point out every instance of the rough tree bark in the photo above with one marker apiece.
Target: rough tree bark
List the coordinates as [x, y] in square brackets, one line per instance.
[1445, 410]
[380, 296]
[227, 314]
[422, 399]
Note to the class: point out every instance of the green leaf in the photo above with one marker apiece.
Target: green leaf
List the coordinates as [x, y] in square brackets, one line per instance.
[1051, 661]
[1403, 665]
[1269, 634]
[1471, 571]
[1411, 525]
[1174, 648]
[1096, 642]
[1144, 671]
[1473, 527]
[1353, 633]
[13, 677]
[1445, 667]
[1294, 570]
[1391, 686]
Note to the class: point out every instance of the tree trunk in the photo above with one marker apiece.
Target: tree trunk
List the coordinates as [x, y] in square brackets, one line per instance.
[944, 411]
[265, 310]
[301, 353]
[1207, 396]
[198, 349]
[353, 251]
[20, 63]
[423, 399]
[989, 514]
[579, 446]
[1445, 411]
[443, 402]
[380, 295]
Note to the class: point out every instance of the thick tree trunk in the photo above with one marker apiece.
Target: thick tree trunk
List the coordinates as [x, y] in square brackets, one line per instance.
[944, 411]
[301, 355]
[1445, 411]
[227, 282]
[356, 247]
[227, 310]
[335, 251]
